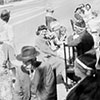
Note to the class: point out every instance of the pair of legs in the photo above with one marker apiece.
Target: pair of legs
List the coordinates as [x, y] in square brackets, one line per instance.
[58, 64]
[9, 53]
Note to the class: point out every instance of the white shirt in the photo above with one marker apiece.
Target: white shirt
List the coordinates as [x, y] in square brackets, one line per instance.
[2, 57]
[32, 75]
[6, 33]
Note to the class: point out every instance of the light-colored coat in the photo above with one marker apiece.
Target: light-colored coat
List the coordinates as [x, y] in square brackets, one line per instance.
[43, 86]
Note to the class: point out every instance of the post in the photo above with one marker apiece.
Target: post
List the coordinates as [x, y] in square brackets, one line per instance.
[65, 63]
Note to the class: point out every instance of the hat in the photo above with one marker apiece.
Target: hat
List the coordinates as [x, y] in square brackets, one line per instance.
[55, 25]
[87, 60]
[27, 53]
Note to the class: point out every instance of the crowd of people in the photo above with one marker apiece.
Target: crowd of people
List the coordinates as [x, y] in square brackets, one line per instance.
[30, 74]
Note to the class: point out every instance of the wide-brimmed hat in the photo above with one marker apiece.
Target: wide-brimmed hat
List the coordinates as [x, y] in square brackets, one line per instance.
[27, 53]
[87, 60]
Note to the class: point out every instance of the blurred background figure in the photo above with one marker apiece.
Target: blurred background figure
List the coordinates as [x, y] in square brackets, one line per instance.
[41, 77]
[7, 36]
[49, 17]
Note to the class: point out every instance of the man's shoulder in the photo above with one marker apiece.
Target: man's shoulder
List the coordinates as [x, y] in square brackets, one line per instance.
[86, 34]
[45, 66]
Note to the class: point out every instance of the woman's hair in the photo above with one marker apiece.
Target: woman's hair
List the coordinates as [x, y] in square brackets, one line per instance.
[42, 27]
[79, 8]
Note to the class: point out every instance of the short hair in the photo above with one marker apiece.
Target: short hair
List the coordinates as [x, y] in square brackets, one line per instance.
[40, 28]
[78, 8]
[5, 15]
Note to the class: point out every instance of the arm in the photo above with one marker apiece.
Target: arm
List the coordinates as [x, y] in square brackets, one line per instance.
[74, 42]
[43, 46]
[50, 84]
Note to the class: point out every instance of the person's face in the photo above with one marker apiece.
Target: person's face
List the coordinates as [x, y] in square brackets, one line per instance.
[79, 11]
[27, 65]
[56, 31]
[43, 32]
[63, 30]
[78, 30]
[79, 71]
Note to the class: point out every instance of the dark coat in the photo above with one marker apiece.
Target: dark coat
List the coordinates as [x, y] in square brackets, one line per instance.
[88, 89]
[83, 43]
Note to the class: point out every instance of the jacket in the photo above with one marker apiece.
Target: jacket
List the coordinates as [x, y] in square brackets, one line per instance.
[43, 86]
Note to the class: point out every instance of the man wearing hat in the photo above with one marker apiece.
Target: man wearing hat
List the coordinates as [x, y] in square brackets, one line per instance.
[42, 82]
[81, 39]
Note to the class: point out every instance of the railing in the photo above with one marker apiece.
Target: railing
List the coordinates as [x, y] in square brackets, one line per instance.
[69, 63]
